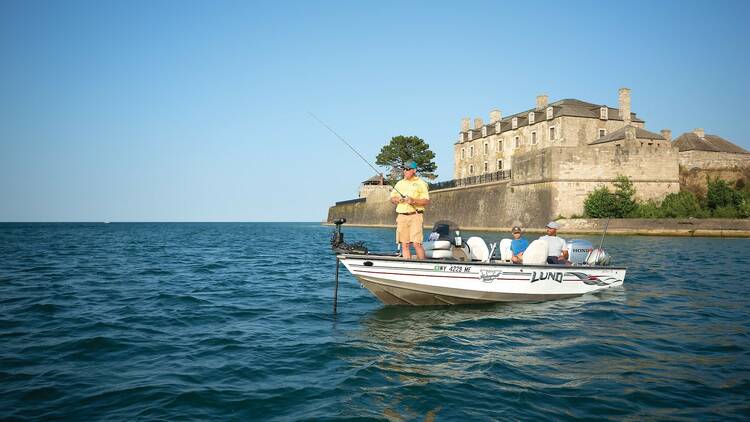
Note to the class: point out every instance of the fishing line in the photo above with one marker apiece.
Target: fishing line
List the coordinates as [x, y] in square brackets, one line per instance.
[377, 172]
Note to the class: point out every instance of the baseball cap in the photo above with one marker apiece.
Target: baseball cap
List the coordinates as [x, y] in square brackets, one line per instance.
[515, 229]
[553, 225]
[410, 165]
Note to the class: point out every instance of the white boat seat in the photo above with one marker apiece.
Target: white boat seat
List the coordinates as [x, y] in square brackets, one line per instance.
[441, 245]
[438, 253]
[478, 249]
[536, 253]
[505, 253]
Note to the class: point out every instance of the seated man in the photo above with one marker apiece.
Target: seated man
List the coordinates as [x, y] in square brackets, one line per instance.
[517, 246]
[558, 248]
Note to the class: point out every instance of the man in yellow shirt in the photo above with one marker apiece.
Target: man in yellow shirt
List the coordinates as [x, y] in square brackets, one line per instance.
[410, 196]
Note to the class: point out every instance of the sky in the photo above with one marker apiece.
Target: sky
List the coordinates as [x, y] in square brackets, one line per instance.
[199, 111]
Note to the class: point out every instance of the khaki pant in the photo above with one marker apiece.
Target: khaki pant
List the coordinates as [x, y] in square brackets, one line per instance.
[409, 228]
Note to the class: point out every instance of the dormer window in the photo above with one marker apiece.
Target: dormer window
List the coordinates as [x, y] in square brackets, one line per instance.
[514, 122]
[497, 128]
[532, 115]
[484, 130]
[550, 113]
[471, 135]
[462, 137]
[604, 113]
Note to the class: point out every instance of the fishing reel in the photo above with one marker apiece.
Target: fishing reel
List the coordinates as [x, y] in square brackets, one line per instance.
[339, 246]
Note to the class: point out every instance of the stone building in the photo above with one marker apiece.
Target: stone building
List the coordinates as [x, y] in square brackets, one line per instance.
[704, 155]
[564, 123]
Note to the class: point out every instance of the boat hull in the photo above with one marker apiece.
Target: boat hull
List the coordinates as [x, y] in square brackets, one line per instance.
[396, 281]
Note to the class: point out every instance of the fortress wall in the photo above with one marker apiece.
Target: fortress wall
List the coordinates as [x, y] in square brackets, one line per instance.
[706, 160]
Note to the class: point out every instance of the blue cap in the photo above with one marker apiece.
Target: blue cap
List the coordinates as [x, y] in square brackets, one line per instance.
[411, 165]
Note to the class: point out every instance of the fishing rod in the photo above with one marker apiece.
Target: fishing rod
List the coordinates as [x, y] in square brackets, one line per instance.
[377, 172]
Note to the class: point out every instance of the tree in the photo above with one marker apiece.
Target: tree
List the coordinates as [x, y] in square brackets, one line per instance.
[404, 148]
[624, 192]
[600, 203]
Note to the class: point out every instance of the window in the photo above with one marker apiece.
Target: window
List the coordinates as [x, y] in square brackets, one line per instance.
[533, 138]
[486, 167]
[471, 135]
[552, 133]
[602, 132]
[471, 151]
[550, 113]
[532, 115]
[603, 113]
[499, 145]
[516, 142]
[499, 165]
[463, 153]
[471, 168]
[486, 148]
[484, 130]
[514, 122]
[462, 137]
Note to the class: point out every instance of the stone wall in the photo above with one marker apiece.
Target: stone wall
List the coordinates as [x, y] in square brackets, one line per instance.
[697, 166]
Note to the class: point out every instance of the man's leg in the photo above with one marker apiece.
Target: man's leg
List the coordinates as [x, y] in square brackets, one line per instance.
[420, 250]
[406, 250]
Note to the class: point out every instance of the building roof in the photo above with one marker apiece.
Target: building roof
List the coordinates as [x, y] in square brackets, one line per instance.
[619, 134]
[690, 141]
[374, 180]
[567, 107]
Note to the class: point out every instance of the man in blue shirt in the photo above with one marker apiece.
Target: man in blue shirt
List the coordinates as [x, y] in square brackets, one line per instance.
[518, 245]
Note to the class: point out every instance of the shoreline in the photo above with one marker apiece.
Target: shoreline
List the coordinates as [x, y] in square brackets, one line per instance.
[724, 228]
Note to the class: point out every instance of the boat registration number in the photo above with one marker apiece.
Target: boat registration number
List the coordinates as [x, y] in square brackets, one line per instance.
[453, 268]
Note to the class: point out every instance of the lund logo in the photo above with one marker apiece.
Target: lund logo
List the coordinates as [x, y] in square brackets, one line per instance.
[541, 275]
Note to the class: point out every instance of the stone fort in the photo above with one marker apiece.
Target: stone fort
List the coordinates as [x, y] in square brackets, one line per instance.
[540, 164]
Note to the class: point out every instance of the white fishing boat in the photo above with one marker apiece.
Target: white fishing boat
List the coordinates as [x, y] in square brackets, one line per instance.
[470, 273]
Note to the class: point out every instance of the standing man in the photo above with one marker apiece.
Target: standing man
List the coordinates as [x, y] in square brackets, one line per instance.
[410, 209]
[557, 252]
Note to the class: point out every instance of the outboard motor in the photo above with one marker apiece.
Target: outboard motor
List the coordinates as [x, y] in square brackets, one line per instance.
[443, 230]
[579, 250]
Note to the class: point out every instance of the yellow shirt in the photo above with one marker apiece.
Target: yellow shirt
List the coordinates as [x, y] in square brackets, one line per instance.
[415, 188]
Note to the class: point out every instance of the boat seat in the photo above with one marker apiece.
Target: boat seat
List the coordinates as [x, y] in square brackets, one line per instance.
[437, 245]
[438, 253]
[478, 249]
[505, 253]
[536, 253]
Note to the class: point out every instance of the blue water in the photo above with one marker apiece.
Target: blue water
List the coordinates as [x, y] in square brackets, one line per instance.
[233, 321]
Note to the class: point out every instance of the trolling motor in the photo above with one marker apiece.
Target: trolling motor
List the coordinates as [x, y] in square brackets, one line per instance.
[338, 244]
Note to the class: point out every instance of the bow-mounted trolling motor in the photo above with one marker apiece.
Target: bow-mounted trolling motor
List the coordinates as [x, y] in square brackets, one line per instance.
[339, 246]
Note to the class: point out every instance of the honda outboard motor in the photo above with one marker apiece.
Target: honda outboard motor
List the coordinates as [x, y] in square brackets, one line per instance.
[578, 251]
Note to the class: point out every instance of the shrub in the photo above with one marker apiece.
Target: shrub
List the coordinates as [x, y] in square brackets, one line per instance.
[649, 209]
[600, 203]
[725, 212]
[720, 195]
[624, 193]
[680, 205]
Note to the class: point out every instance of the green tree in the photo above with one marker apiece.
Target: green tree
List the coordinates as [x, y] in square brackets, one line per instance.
[600, 203]
[404, 148]
[624, 197]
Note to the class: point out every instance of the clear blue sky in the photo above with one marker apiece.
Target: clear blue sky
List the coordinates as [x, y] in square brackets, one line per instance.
[181, 110]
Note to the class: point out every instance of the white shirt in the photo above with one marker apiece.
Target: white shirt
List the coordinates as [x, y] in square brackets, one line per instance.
[556, 245]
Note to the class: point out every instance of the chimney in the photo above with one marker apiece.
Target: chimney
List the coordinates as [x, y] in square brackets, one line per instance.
[667, 134]
[478, 123]
[541, 102]
[465, 124]
[624, 99]
[630, 132]
[495, 116]
[699, 131]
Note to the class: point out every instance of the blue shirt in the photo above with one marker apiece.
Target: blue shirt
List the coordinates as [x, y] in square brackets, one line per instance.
[518, 245]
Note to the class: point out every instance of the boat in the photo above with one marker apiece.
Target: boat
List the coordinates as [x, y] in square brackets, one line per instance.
[475, 275]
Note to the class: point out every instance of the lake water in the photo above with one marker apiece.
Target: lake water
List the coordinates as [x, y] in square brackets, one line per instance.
[233, 321]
